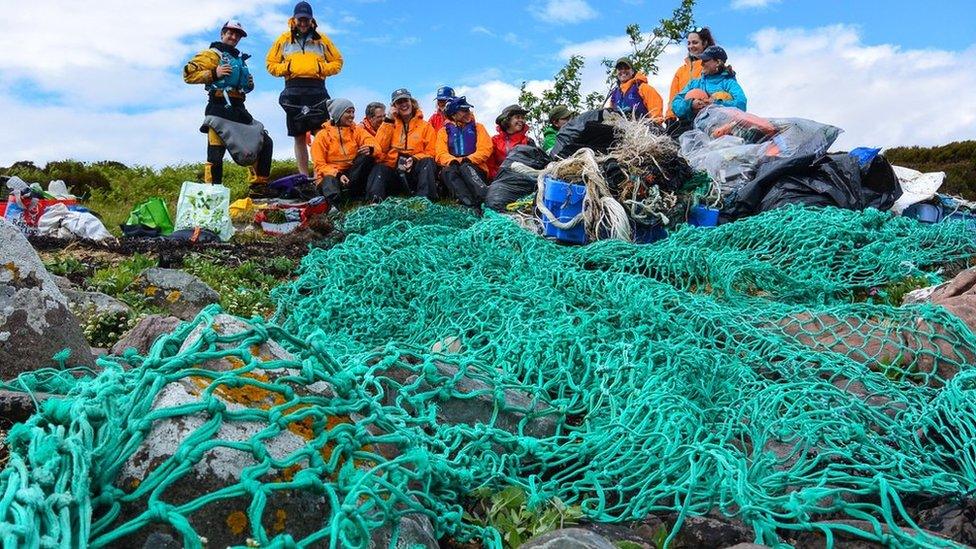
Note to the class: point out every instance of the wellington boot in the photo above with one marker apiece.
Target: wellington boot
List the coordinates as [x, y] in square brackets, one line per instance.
[208, 173]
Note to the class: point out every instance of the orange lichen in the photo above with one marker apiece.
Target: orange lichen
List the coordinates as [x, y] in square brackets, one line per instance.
[151, 291]
[173, 296]
[237, 522]
[279, 524]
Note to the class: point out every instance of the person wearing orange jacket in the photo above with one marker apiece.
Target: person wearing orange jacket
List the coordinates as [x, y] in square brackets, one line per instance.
[342, 153]
[375, 113]
[512, 132]
[405, 152]
[698, 40]
[304, 57]
[463, 149]
[633, 96]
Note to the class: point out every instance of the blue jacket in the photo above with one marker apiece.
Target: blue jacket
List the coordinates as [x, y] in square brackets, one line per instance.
[710, 84]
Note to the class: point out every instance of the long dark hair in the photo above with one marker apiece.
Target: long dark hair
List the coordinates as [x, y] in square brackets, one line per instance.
[706, 36]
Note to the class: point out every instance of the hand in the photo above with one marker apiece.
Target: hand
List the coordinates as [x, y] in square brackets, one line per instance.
[344, 180]
[365, 149]
[223, 70]
[408, 164]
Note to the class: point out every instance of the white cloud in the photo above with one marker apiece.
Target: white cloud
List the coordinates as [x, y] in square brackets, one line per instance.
[489, 98]
[563, 11]
[749, 4]
[481, 30]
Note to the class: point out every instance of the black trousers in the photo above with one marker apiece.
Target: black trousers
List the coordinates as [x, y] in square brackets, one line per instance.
[358, 174]
[419, 181]
[466, 182]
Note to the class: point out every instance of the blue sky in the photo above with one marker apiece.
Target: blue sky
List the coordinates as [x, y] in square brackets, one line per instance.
[107, 74]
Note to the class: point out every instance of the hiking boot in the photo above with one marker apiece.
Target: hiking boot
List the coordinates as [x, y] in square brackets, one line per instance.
[260, 190]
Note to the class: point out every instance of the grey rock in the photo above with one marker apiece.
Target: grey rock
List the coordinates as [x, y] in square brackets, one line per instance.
[712, 532]
[569, 538]
[955, 520]
[16, 407]
[142, 336]
[181, 294]
[94, 303]
[35, 322]
[514, 411]
[225, 522]
[747, 546]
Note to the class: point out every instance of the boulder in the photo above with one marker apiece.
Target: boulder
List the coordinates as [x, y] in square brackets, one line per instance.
[569, 538]
[95, 303]
[710, 531]
[144, 334]
[35, 322]
[958, 296]
[181, 294]
[955, 520]
[244, 444]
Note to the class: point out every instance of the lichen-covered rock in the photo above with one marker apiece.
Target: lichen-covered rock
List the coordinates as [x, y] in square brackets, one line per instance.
[239, 453]
[35, 322]
[569, 538]
[145, 333]
[181, 294]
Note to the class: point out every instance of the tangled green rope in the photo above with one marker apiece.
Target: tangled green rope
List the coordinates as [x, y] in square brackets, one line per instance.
[722, 370]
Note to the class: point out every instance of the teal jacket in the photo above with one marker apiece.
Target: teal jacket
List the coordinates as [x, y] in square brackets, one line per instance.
[549, 138]
[710, 84]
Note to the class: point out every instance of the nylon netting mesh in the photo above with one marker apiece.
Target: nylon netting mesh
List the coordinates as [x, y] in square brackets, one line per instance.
[730, 369]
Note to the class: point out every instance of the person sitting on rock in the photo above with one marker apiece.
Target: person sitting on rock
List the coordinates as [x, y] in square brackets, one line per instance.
[222, 69]
[463, 149]
[633, 96]
[716, 86]
[373, 118]
[512, 132]
[342, 153]
[558, 117]
[444, 94]
[405, 144]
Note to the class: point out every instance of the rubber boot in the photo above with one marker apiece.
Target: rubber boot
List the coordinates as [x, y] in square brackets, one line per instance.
[208, 173]
[258, 184]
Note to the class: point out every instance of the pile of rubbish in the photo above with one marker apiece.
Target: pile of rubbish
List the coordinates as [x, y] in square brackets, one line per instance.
[53, 212]
[433, 353]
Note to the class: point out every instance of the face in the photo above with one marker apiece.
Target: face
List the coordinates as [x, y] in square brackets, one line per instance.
[441, 103]
[624, 73]
[516, 123]
[559, 123]
[348, 117]
[303, 23]
[463, 117]
[403, 107]
[711, 66]
[230, 37]
[377, 116]
[695, 44]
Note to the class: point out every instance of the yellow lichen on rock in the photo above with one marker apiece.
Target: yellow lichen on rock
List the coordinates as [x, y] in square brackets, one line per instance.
[237, 522]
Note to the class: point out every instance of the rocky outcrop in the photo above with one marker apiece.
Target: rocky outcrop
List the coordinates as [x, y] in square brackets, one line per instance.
[35, 322]
[181, 294]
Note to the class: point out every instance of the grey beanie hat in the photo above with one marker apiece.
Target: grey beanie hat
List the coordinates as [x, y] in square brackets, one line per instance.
[337, 107]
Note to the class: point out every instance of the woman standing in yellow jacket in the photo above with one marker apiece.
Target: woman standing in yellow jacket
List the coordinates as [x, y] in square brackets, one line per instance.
[698, 40]
[304, 57]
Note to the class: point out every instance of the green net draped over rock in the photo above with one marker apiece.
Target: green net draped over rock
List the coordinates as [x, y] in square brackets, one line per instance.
[732, 370]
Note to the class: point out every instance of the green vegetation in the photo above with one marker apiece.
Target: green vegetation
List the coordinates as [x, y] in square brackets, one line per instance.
[510, 512]
[957, 159]
[244, 289]
[111, 189]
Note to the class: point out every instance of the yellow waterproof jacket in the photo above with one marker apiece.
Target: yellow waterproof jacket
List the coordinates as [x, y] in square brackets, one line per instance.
[314, 57]
[334, 148]
[686, 73]
[414, 139]
[202, 70]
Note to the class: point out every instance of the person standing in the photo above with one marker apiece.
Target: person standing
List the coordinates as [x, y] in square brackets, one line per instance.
[512, 132]
[698, 40]
[304, 57]
[405, 158]
[222, 69]
[444, 94]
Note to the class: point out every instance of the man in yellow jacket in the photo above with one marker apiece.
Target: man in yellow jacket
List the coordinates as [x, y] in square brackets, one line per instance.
[222, 69]
[304, 57]
[342, 153]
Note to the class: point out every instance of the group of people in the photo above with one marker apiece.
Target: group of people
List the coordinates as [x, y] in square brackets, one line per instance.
[399, 151]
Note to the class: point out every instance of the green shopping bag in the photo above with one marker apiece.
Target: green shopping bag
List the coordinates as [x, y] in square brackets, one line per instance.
[153, 214]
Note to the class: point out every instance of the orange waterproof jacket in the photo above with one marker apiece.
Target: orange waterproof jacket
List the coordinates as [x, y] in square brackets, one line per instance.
[368, 127]
[334, 148]
[480, 156]
[314, 57]
[414, 139]
[652, 100]
[686, 73]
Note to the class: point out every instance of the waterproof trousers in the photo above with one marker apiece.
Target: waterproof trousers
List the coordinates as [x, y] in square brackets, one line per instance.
[419, 181]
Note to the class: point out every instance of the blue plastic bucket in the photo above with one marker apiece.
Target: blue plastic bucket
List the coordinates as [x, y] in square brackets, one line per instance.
[700, 216]
[565, 201]
[926, 213]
